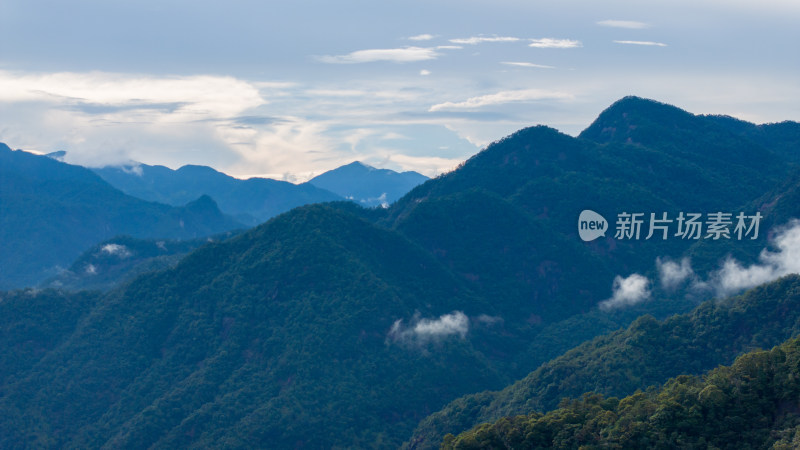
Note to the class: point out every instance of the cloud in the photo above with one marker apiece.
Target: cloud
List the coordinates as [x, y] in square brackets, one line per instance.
[733, 276]
[104, 118]
[108, 93]
[475, 40]
[627, 291]
[421, 37]
[648, 43]
[730, 278]
[116, 249]
[673, 274]
[554, 43]
[422, 331]
[135, 169]
[396, 55]
[424, 72]
[527, 64]
[502, 97]
[488, 320]
[630, 24]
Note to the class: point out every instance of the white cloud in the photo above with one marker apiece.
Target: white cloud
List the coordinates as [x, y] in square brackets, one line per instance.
[188, 97]
[104, 118]
[474, 40]
[422, 331]
[422, 37]
[554, 43]
[116, 249]
[673, 274]
[133, 170]
[527, 64]
[397, 55]
[646, 43]
[455, 323]
[424, 72]
[627, 291]
[502, 97]
[630, 24]
[733, 276]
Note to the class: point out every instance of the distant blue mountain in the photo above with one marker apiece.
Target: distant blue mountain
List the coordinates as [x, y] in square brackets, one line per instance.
[251, 201]
[51, 212]
[367, 185]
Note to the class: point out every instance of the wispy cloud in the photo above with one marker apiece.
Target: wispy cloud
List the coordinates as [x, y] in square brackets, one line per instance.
[102, 118]
[116, 249]
[502, 97]
[527, 64]
[555, 43]
[629, 24]
[733, 276]
[672, 274]
[108, 92]
[397, 55]
[422, 331]
[474, 40]
[650, 43]
[627, 291]
[424, 72]
[421, 37]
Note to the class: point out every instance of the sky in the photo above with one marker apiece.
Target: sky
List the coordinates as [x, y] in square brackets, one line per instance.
[288, 90]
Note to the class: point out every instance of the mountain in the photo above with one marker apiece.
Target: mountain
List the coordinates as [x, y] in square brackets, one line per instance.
[751, 404]
[276, 336]
[51, 212]
[340, 326]
[122, 259]
[647, 353]
[367, 185]
[782, 137]
[251, 201]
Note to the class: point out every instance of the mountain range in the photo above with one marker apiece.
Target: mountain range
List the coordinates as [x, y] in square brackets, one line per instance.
[251, 201]
[334, 325]
[255, 200]
[51, 212]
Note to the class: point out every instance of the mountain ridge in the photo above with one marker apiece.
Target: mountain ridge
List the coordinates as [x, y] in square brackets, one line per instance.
[53, 211]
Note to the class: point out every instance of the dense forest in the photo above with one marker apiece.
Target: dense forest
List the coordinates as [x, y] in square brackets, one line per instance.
[751, 404]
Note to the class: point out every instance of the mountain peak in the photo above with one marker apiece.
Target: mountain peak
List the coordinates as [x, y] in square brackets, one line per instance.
[193, 169]
[367, 185]
[618, 122]
[359, 164]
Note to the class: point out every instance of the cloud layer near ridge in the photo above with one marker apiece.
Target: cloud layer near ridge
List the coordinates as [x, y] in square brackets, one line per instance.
[732, 276]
